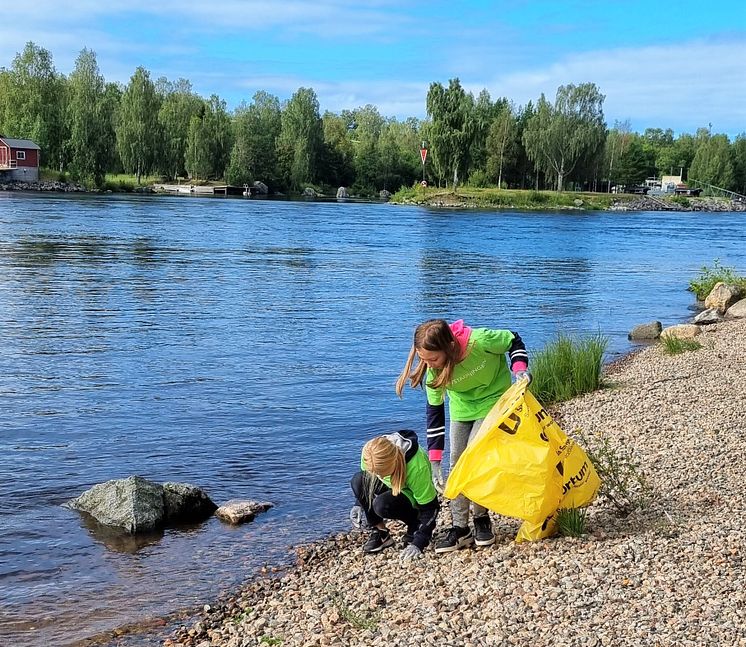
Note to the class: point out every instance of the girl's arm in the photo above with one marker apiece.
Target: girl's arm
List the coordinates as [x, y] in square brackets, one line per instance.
[518, 354]
[507, 341]
[428, 517]
[436, 430]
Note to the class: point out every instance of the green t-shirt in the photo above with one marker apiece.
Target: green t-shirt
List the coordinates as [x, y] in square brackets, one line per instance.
[418, 486]
[479, 379]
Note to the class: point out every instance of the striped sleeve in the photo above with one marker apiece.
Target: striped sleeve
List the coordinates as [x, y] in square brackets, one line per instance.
[436, 430]
[517, 353]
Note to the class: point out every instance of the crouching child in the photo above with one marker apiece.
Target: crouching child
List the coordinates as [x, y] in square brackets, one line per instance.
[395, 482]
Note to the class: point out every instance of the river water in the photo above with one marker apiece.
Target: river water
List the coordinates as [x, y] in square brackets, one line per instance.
[250, 347]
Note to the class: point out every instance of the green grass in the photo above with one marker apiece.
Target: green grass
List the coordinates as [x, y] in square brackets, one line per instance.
[571, 522]
[708, 276]
[567, 367]
[469, 196]
[675, 346]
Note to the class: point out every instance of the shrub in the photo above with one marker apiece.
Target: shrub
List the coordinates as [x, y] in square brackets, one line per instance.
[567, 367]
[622, 482]
[571, 521]
[708, 277]
[681, 200]
[675, 346]
[480, 179]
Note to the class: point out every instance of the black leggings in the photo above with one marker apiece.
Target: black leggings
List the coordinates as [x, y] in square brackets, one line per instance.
[380, 503]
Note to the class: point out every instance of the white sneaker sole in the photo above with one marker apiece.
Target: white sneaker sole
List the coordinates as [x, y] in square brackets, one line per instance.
[484, 542]
[461, 543]
[385, 544]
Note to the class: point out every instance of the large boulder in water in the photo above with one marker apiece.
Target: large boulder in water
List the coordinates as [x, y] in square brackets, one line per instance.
[133, 504]
[646, 331]
[137, 505]
[184, 503]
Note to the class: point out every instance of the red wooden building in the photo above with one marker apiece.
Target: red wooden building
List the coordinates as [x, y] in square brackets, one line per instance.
[19, 159]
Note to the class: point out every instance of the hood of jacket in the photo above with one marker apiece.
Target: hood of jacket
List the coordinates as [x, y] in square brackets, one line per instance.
[461, 332]
[406, 441]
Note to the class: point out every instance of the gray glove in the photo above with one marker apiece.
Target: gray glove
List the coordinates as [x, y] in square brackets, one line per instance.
[519, 375]
[358, 519]
[437, 476]
[410, 553]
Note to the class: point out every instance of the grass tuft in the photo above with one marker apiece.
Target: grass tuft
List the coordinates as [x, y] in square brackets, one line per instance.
[674, 346]
[571, 522]
[567, 367]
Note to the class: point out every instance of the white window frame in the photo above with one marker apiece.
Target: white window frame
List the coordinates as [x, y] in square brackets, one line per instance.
[21, 155]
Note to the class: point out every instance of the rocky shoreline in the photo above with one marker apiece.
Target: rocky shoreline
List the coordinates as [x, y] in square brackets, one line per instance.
[641, 203]
[671, 573]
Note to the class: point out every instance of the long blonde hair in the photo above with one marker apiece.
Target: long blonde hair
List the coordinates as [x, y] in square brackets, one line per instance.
[434, 335]
[382, 458]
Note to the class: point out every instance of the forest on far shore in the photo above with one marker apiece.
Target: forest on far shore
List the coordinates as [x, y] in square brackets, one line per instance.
[88, 128]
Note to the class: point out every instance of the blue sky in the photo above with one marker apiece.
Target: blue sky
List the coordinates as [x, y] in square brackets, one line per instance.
[679, 65]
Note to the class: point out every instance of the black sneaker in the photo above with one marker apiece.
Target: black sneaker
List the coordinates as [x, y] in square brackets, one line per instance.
[456, 538]
[377, 541]
[483, 535]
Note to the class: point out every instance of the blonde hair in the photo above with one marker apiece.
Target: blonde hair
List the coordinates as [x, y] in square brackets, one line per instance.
[382, 458]
[433, 335]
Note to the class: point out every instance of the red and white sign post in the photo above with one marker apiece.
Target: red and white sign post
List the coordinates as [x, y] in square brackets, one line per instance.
[423, 155]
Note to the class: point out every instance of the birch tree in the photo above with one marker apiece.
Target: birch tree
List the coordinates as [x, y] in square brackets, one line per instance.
[559, 135]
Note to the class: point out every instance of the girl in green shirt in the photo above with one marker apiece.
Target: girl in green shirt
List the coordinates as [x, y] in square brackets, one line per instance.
[469, 366]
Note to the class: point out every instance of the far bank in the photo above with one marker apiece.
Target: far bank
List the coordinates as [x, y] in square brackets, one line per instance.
[491, 198]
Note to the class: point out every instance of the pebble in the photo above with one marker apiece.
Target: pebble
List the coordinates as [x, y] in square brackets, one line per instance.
[669, 573]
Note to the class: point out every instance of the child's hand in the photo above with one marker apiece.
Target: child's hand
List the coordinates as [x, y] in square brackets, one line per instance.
[411, 552]
[437, 476]
[519, 375]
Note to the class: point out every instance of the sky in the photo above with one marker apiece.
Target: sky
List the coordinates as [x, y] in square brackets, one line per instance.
[679, 65]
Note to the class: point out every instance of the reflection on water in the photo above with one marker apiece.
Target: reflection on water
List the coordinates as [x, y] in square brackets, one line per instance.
[250, 348]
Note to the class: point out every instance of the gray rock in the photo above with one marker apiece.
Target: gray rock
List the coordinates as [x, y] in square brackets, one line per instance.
[578, 203]
[384, 194]
[737, 310]
[238, 511]
[722, 296]
[646, 331]
[261, 188]
[309, 192]
[342, 192]
[133, 504]
[709, 316]
[184, 503]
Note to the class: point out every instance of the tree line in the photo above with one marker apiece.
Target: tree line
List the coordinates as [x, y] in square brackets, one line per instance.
[88, 127]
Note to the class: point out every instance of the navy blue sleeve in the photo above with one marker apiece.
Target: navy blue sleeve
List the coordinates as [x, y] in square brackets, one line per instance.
[436, 431]
[517, 351]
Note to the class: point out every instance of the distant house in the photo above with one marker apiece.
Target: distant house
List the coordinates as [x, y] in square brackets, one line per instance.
[19, 159]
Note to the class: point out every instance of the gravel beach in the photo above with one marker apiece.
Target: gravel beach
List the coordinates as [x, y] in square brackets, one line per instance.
[671, 573]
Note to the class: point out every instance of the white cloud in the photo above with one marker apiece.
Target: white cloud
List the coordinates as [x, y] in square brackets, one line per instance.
[684, 85]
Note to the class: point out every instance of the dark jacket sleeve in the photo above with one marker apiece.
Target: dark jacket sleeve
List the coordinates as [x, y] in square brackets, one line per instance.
[517, 351]
[436, 431]
[428, 517]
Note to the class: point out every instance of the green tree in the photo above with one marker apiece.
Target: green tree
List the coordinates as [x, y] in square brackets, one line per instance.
[560, 136]
[137, 129]
[712, 163]
[255, 130]
[453, 127]
[301, 138]
[32, 103]
[739, 164]
[338, 151]
[633, 162]
[502, 142]
[89, 122]
[178, 106]
[209, 140]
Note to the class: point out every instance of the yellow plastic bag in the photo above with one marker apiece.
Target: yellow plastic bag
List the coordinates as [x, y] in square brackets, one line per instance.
[521, 464]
